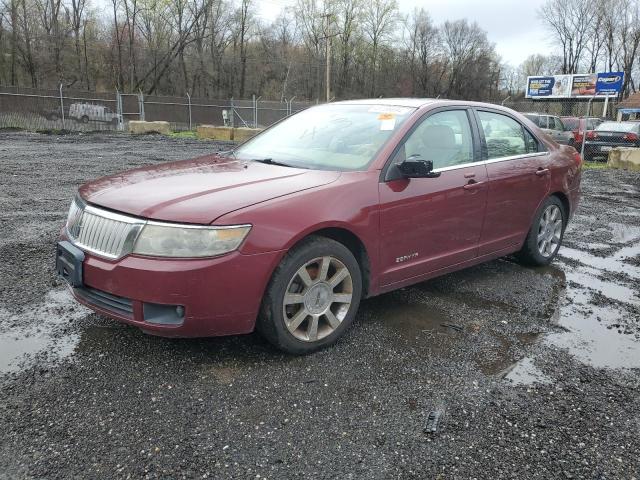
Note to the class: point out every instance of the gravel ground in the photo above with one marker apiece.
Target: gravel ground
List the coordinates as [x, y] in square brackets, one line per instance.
[531, 373]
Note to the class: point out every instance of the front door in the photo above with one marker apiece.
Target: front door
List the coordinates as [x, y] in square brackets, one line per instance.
[427, 224]
[518, 180]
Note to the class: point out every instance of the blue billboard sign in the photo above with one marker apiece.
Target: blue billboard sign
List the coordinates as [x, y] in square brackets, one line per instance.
[575, 86]
[609, 83]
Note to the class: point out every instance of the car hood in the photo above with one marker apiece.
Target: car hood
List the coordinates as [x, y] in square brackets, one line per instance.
[199, 190]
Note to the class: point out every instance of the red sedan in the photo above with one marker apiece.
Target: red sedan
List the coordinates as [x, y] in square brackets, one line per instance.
[288, 232]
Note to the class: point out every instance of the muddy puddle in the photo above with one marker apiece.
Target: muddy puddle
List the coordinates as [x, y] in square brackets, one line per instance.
[418, 323]
[38, 331]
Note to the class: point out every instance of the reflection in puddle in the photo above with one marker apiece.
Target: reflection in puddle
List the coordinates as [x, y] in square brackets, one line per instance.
[588, 278]
[35, 330]
[525, 373]
[595, 334]
[591, 341]
[623, 233]
[614, 263]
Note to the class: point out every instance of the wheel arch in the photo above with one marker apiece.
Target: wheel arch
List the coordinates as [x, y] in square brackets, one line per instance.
[350, 240]
[565, 203]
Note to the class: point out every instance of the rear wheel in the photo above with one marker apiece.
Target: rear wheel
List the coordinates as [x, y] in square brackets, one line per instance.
[312, 298]
[84, 119]
[545, 236]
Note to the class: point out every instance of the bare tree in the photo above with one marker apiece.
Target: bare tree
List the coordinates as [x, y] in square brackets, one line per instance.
[571, 23]
[379, 23]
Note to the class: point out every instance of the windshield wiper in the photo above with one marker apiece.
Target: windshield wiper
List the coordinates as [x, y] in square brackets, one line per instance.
[271, 161]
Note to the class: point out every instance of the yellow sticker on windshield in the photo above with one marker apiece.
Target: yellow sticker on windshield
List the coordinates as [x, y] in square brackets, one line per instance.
[387, 116]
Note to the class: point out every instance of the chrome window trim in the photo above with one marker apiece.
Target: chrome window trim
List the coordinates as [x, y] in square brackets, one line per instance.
[516, 157]
[492, 160]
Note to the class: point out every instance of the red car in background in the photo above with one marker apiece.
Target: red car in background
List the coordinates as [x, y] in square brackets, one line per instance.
[289, 231]
[580, 125]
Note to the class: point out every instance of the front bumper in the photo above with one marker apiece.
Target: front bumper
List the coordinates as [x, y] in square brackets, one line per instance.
[219, 296]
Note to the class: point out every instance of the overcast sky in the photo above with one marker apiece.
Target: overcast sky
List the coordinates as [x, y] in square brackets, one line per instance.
[512, 25]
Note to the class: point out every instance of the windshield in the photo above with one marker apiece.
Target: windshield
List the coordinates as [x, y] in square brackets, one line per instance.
[328, 137]
[616, 127]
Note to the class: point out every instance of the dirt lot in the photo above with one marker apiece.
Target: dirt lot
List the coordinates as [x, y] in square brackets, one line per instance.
[534, 373]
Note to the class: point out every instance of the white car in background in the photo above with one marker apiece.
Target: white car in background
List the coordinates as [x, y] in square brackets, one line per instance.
[87, 112]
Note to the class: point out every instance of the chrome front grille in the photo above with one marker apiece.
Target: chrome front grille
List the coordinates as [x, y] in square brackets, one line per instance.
[108, 234]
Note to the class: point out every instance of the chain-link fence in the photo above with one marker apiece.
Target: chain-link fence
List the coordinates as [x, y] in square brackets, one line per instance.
[64, 109]
[599, 107]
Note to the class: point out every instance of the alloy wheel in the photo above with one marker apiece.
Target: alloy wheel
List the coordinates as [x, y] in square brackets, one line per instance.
[317, 298]
[549, 231]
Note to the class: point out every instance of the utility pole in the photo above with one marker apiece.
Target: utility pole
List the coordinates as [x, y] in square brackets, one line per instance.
[328, 69]
[327, 38]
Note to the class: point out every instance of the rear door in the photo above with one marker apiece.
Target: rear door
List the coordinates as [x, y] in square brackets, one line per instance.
[427, 224]
[518, 176]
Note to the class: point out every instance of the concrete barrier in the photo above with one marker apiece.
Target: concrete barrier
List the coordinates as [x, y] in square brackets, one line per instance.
[138, 127]
[624, 158]
[211, 132]
[242, 134]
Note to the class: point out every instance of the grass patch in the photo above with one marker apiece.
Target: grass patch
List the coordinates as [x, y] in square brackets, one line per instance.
[595, 165]
[184, 134]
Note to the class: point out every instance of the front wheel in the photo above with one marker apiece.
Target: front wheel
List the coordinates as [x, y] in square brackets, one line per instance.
[312, 298]
[545, 236]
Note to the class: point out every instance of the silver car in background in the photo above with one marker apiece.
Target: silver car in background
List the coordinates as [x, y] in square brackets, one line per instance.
[552, 126]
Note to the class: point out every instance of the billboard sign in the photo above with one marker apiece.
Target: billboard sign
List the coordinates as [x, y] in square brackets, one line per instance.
[584, 85]
[575, 86]
[609, 83]
[554, 86]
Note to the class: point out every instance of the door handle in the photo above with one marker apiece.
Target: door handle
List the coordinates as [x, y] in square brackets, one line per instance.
[473, 185]
[541, 172]
[470, 175]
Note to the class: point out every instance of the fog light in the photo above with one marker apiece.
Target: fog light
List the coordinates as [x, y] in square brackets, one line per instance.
[163, 314]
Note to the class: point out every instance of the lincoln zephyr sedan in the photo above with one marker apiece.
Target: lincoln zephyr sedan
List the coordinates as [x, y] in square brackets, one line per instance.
[288, 232]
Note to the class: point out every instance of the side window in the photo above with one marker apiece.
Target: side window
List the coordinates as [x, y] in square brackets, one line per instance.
[504, 136]
[444, 138]
[544, 122]
[559, 124]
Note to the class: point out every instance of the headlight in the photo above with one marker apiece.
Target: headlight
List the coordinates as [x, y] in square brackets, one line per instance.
[167, 240]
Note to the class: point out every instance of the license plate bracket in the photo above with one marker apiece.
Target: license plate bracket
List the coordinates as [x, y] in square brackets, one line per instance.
[69, 260]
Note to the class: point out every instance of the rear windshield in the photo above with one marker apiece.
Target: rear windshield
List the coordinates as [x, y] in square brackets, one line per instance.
[616, 127]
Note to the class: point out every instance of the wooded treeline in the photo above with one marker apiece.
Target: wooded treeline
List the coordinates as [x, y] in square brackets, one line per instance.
[227, 48]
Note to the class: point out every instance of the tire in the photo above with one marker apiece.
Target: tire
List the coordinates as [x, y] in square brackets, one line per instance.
[538, 253]
[84, 119]
[310, 300]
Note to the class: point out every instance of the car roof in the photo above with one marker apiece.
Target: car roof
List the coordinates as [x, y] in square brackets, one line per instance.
[396, 102]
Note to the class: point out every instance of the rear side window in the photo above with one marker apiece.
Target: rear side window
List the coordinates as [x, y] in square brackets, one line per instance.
[504, 136]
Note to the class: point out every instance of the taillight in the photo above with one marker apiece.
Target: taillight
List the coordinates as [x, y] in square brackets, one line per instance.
[577, 136]
[630, 137]
[591, 135]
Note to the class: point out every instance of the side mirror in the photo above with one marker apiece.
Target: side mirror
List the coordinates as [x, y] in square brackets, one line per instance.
[416, 167]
